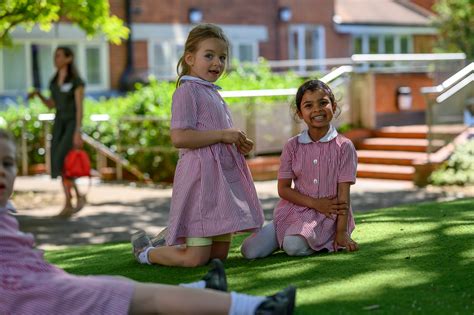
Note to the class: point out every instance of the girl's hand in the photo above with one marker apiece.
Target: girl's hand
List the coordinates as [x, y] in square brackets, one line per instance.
[77, 140]
[32, 94]
[343, 239]
[245, 146]
[330, 207]
[231, 136]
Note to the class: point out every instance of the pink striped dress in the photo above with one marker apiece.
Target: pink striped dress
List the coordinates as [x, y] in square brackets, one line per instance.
[30, 285]
[213, 191]
[315, 168]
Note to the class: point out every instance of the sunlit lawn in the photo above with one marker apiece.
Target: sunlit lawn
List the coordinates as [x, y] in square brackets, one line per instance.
[413, 259]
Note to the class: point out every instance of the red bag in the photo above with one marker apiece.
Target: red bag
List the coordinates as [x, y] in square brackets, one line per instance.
[77, 164]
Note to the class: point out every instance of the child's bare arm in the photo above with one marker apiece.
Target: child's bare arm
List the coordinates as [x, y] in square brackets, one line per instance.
[194, 139]
[327, 206]
[342, 236]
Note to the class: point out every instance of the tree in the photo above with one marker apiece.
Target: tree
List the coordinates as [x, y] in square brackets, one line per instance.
[455, 20]
[93, 16]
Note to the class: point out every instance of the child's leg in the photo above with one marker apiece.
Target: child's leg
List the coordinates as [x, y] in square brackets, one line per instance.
[68, 210]
[296, 245]
[220, 246]
[189, 256]
[80, 199]
[261, 244]
[166, 299]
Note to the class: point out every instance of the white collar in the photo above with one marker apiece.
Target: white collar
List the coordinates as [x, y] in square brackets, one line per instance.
[199, 80]
[8, 208]
[304, 137]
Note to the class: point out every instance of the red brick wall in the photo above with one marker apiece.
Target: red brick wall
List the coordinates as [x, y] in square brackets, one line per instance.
[117, 62]
[386, 90]
[140, 55]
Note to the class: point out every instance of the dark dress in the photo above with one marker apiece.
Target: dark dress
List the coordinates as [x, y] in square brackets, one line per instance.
[64, 123]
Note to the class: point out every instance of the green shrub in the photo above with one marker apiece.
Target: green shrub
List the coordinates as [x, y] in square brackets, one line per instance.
[146, 143]
[459, 169]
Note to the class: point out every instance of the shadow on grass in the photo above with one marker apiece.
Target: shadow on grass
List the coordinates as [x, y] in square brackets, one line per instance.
[414, 259]
[102, 226]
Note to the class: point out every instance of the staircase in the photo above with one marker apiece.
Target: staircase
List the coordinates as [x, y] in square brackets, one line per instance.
[389, 153]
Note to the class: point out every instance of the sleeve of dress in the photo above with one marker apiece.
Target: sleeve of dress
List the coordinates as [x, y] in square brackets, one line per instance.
[286, 162]
[348, 164]
[78, 82]
[184, 109]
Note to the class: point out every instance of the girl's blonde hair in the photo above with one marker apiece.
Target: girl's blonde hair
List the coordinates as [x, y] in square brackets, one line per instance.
[197, 35]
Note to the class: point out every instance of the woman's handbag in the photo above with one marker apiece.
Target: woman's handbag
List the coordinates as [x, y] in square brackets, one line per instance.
[77, 164]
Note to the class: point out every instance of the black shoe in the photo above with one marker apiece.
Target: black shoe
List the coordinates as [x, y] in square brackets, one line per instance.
[216, 279]
[282, 303]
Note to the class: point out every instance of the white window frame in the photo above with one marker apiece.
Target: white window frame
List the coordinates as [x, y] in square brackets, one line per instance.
[172, 58]
[79, 61]
[301, 29]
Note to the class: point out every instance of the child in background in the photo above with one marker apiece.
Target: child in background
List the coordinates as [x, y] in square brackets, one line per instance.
[30, 285]
[315, 214]
[213, 192]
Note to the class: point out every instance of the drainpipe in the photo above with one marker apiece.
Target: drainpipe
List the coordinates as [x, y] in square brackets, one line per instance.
[126, 77]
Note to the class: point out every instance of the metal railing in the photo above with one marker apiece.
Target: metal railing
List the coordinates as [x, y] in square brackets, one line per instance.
[102, 151]
[270, 125]
[446, 103]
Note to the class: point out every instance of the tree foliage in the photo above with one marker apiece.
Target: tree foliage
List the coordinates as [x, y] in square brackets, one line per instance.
[455, 21]
[93, 16]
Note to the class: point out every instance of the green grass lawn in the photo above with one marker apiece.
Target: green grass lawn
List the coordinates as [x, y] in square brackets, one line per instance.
[413, 259]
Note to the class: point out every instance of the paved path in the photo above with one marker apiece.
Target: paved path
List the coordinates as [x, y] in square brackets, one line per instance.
[115, 210]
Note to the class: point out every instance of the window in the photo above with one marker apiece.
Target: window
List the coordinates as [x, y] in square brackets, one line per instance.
[31, 63]
[382, 44]
[373, 45]
[14, 68]
[389, 44]
[306, 42]
[45, 64]
[357, 45]
[165, 56]
[245, 52]
[93, 69]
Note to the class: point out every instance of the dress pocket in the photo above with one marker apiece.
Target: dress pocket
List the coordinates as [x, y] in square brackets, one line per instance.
[229, 166]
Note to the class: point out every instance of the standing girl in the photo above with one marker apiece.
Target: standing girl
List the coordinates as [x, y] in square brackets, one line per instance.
[67, 94]
[213, 193]
[315, 214]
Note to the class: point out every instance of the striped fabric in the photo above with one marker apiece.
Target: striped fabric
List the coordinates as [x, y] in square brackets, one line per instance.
[316, 168]
[213, 191]
[30, 285]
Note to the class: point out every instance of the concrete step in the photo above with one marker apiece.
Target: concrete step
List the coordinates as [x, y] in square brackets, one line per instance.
[383, 171]
[398, 144]
[264, 167]
[389, 157]
[418, 131]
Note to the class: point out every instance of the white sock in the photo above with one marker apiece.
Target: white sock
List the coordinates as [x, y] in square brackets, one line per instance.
[197, 285]
[143, 256]
[243, 304]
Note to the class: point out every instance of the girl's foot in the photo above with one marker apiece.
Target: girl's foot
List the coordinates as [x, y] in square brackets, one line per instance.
[66, 212]
[160, 239]
[140, 242]
[81, 202]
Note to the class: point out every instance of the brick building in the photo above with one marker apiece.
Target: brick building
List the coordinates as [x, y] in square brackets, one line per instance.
[273, 29]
